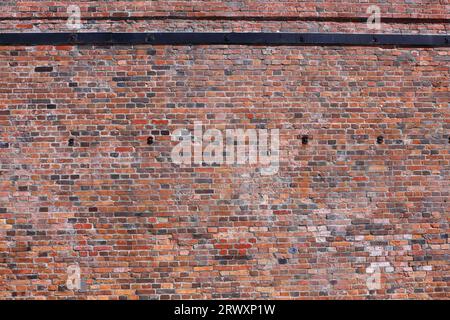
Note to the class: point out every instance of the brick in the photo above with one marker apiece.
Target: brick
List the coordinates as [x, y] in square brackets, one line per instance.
[43, 69]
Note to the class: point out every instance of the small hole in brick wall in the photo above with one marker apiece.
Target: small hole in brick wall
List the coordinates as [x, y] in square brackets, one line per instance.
[305, 139]
[380, 139]
[71, 142]
[150, 140]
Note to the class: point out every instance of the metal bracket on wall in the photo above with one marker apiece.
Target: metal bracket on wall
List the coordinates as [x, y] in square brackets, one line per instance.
[225, 38]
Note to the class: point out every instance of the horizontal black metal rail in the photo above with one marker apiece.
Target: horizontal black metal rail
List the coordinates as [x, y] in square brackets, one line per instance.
[220, 38]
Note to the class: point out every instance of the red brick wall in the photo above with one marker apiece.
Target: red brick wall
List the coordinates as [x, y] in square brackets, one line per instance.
[142, 227]
[425, 16]
[187, 8]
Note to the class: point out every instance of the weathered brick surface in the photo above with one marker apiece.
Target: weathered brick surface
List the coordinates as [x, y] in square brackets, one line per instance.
[80, 185]
[201, 8]
[189, 25]
[288, 16]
